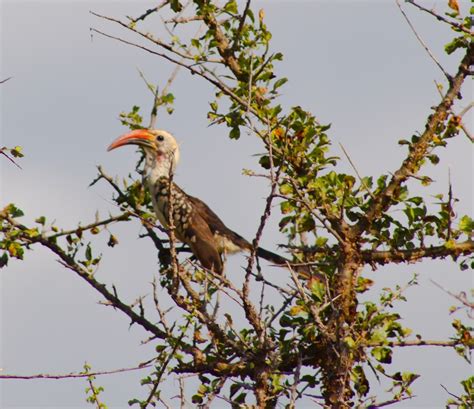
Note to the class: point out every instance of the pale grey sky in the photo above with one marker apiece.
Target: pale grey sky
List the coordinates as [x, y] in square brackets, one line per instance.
[355, 64]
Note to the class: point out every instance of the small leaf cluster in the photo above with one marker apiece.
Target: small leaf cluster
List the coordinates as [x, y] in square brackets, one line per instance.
[376, 327]
[466, 400]
[92, 391]
[11, 241]
[132, 119]
[464, 337]
[462, 26]
[16, 152]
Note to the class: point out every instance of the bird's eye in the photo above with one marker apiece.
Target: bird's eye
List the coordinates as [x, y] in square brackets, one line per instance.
[160, 138]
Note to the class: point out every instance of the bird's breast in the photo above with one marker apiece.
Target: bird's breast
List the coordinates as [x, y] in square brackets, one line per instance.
[181, 208]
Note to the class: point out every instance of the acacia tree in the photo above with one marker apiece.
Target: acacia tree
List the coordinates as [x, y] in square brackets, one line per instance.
[311, 338]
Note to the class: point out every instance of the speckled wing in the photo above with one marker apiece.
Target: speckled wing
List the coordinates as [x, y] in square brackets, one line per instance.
[190, 227]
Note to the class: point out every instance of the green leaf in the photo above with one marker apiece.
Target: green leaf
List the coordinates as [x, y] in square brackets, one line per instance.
[350, 342]
[197, 399]
[14, 211]
[286, 189]
[112, 241]
[264, 162]
[361, 383]
[286, 207]
[41, 220]
[318, 290]
[279, 83]
[88, 252]
[168, 98]
[234, 388]
[310, 380]
[459, 42]
[466, 225]
[175, 5]
[17, 152]
[382, 354]
[235, 133]
[434, 159]
[278, 57]
[3, 260]
[231, 7]
[409, 377]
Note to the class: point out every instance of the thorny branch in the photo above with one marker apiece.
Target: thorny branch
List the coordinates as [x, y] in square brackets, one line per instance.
[419, 149]
[71, 264]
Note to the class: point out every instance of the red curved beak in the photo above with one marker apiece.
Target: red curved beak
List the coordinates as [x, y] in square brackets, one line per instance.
[138, 137]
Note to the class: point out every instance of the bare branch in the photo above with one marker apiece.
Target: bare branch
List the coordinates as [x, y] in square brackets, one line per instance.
[183, 20]
[5, 80]
[357, 173]
[148, 12]
[74, 374]
[422, 42]
[2, 152]
[147, 36]
[426, 343]
[69, 262]
[461, 297]
[191, 68]
[389, 402]
[79, 229]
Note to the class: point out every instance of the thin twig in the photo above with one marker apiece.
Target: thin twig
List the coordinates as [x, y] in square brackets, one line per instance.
[390, 402]
[362, 182]
[294, 388]
[79, 229]
[441, 18]
[461, 123]
[462, 298]
[219, 84]
[2, 152]
[465, 110]
[148, 12]
[420, 343]
[73, 374]
[449, 393]
[422, 42]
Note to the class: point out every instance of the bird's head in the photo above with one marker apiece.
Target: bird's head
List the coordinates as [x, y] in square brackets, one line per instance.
[160, 147]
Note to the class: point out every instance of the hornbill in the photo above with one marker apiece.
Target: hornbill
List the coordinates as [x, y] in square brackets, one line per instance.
[194, 222]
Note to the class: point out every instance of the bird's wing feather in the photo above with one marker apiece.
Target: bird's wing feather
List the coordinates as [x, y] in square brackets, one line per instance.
[199, 237]
[216, 225]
